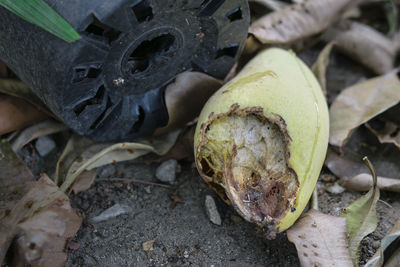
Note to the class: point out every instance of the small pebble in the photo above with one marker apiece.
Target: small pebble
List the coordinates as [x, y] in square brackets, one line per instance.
[212, 211]
[167, 171]
[335, 189]
[186, 254]
[44, 145]
[148, 245]
[110, 213]
[107, 171]
[73, 245]
[147, 189]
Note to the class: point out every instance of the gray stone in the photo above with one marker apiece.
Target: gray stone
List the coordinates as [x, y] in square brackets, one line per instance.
[167, 171]
[107, 171]
[212, 211]
[110, 213]
[335, 189]
[44, 145]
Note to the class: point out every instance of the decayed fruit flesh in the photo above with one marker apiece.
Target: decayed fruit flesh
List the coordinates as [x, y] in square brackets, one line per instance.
[261, 139]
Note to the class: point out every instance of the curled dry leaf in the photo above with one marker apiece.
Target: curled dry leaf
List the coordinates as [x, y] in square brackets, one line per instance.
[39, 225]
[185, 98]
[35, 131]
[75, 146]
[364, 44]
[320, 66]
[390, 133]
[183, 147]
[299, 21]
[359, 103]
[16, 114]
[102, 154]
[361, 217]
[363, 182]
[320, 240]
[86, 177]
[389, 253]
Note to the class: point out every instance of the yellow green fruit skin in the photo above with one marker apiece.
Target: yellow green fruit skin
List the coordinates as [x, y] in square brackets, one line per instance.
[281, 84]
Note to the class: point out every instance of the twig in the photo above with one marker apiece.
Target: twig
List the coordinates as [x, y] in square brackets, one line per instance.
[387, 204]
[131, 180]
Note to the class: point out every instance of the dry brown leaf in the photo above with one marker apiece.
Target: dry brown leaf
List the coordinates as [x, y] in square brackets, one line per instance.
[39, 225]
[386, 157]
[388, 241]
[390, 133]
[84, 181]
[16, 113]
[251, 47]
[364, 44]
[320, 66]
[360, 103]
[12, 190]
[183, 147]
[363, 182]
[320, 240]
[35, 131]
[299, 21]
[186, 97]
[19, 89]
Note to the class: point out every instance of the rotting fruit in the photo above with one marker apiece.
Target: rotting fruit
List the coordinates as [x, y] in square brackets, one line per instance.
[261, 140]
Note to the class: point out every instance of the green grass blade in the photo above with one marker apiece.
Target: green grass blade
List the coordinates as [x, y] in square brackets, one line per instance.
[41, 14]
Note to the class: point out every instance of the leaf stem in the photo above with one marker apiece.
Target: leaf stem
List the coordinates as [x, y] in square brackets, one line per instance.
[372, 170]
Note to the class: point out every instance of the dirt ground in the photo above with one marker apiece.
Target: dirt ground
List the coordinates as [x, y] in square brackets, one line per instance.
[183, 235]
